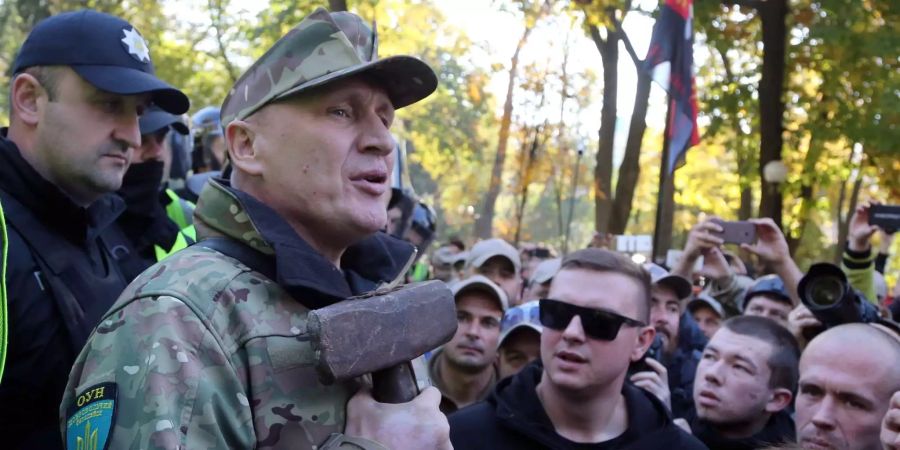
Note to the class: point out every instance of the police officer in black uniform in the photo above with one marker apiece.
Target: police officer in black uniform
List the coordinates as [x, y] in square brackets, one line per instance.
[80, 81]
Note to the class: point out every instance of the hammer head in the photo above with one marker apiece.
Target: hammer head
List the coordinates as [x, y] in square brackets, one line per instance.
[362, 335]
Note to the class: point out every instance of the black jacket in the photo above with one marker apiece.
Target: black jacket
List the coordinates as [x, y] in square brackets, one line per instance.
[682, 365]
[60, 280]
[513, 418]
[778, 430]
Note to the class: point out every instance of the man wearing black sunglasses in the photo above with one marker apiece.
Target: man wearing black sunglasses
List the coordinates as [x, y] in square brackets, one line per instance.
[595, 323]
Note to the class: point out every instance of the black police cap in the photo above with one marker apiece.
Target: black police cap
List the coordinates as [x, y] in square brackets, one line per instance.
[105, 50]
[155, 119]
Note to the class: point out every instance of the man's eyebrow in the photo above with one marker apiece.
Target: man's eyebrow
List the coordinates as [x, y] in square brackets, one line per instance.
[852, 396]
[747, 361]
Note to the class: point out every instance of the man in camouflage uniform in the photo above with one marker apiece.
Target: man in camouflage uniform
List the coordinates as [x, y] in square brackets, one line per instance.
[208, 351]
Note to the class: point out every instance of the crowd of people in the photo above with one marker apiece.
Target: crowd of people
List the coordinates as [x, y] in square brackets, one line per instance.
[159, 275]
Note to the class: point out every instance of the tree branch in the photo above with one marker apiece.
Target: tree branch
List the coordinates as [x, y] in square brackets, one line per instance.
[638, 62]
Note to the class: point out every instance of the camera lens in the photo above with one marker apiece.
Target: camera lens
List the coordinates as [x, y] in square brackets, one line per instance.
[825, 291]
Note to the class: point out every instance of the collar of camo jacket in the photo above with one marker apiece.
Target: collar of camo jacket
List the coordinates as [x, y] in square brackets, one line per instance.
[374, 262]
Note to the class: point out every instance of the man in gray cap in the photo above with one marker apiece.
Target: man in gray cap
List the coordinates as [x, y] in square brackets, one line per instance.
[79, 83]
[683, 341]
[209, 348]
[499, 261]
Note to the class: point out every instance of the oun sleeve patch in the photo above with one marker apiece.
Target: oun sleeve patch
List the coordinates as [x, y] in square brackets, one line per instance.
[90, 419]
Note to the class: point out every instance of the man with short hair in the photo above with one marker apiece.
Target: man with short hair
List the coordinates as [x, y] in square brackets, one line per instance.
[683, 341]
[80, 82]
[499, 261]
[463, 369]
[594, 326]
[520, 338]
[745, 383]
[768, 297]
[210, 348]
[707, 312]
[847, 376]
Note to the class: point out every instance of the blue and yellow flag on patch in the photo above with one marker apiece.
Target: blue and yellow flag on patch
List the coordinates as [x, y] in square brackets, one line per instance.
[90, 420]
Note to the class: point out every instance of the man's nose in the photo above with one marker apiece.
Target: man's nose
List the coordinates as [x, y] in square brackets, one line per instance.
[377, 137]
[574, 331]
[824, 415]
[128, 131]
[713, 373]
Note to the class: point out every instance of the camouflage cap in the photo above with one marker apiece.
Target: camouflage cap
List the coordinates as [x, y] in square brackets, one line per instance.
[323, 48]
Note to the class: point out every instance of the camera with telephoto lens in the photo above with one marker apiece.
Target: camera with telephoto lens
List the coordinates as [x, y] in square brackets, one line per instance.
[829, 296]
[653, 352]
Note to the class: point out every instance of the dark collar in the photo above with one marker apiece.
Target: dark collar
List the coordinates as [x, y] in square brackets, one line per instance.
[49, 203]
[519, 406]
[779, 429]
[311, 278]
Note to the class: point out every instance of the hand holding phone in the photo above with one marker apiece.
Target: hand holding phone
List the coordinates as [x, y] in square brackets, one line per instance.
[887, 217]
[738, 232]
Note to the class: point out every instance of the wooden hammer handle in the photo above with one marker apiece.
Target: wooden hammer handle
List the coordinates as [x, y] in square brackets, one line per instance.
[395, 384]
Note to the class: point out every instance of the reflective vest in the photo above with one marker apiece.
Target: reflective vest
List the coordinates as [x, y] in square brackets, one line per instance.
[3, 313]
[181, 212]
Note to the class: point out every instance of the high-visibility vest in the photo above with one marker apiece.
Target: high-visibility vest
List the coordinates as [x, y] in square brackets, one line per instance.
[179, 210]
[3, 313]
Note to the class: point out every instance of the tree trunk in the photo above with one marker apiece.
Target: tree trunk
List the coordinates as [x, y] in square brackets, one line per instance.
[337, 5]
[746, 209]
[630, 170]
[807, 187]
[609, 54]
[484, 223]
[771, 106]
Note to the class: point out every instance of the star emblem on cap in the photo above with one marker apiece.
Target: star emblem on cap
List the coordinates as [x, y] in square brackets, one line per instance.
[137, 47]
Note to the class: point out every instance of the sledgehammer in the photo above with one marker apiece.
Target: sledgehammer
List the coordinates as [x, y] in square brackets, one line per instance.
[380, 334]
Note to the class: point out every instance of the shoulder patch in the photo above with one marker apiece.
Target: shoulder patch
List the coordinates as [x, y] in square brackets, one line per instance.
[90, 419]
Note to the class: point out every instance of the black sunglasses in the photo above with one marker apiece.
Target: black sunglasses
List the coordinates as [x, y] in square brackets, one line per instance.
[597, 323]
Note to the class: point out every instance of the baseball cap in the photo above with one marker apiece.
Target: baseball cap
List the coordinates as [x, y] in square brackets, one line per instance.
[771, 285]
[105, 50]
[526, 315]
[154, 119]
[488, 248]
[546, 270]
[483, 284]
[706, 300]
[662, 277]
[323, 48]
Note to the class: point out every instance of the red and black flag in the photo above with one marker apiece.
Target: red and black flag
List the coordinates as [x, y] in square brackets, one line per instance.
[670, 62]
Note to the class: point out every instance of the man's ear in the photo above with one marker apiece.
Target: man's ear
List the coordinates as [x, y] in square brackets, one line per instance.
[240, 140]
[644, 341]
[780, 399]
[28, 99]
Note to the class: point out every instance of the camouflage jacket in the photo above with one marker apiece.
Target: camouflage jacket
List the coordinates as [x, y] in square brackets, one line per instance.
[201, 352]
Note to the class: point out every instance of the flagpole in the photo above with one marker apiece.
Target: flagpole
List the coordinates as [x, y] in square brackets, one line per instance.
[663, 224]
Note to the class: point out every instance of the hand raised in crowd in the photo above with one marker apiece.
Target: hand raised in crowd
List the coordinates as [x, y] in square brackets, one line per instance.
[801, 322]
[859, 232]
[655, 382]
[890, 427]
[700, 240]
[886, 240]
[715, 266]
[772, 249]
[770, 246]
[416, 424]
